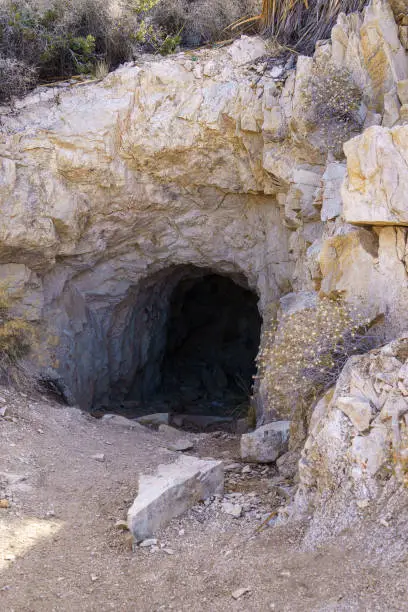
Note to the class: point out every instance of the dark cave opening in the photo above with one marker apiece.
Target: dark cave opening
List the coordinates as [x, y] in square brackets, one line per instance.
[213, 334]
[201, 347]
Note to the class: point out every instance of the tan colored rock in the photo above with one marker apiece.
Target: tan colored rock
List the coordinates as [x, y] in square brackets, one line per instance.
[377, 165]
[368, 268]
[358, 409]
[402, 88]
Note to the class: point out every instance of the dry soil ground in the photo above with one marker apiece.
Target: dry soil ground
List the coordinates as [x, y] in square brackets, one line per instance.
[60, 550]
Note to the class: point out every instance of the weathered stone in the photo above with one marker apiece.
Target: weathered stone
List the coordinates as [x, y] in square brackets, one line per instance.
[99, 457]
[266, 443]
[246, 51]
[170, 433]
[148, 543]
[175, 488]
[294, 302]
[340, 467]
[358, 410]
[332, 181]
[157, 419]
[240, 592]
[287, 464]
[201, 421]
[402, 88]
[233, 467]
[369, 265]
[394, 408]
[234, 510]
[181, 445]
[120, 421]
[369, 452]
[377, 164]
[392, 107]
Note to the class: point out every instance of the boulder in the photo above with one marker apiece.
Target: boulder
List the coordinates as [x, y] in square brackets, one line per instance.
[175, 488]
[267, 443]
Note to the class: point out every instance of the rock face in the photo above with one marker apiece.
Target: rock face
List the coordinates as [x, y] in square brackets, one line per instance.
[377, 178]
[113, 193]
[356, 453]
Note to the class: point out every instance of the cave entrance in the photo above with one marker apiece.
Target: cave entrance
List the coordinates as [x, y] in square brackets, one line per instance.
[204, 351]
[212, 340]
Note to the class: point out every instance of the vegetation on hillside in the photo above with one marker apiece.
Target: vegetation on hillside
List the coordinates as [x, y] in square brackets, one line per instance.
[16, 338]
[52, 39]
[305, 352]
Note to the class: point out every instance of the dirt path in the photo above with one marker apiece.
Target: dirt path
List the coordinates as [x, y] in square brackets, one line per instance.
[60, 550]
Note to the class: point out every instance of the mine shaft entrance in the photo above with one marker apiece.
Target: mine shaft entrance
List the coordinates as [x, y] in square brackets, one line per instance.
[209, 338]
[213, 334]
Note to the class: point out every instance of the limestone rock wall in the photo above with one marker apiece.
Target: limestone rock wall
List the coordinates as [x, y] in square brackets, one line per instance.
[112, 192]
[354, 466]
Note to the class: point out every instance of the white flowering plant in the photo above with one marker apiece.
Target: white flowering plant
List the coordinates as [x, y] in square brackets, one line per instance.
[304, 352]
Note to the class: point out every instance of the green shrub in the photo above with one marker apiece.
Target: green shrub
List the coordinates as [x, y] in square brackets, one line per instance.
[73, 37]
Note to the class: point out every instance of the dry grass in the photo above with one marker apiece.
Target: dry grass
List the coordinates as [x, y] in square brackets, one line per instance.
[333, 101]
[301, 23]
[16, 78]
[16, 339]
[201, 21]
[304, 354]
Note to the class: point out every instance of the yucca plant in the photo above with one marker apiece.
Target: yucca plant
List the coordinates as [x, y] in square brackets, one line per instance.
[301, 23]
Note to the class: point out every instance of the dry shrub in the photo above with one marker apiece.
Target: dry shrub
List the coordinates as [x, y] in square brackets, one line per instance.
[304, 354]
[16, 338]
[333, 100]
[301, 23]
[16, 78]
[201, 21]
[62, 38]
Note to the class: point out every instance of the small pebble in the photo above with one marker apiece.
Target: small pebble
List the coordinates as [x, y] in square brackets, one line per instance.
[284, 574]
[234, 510]
[240, 592]
[363, 503]
[149, 542]
[99, 457]
[232, 467]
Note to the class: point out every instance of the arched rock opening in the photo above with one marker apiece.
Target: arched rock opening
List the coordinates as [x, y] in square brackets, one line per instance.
[185, 340]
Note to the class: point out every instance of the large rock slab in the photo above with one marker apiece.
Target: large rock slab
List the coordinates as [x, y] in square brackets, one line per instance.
[374, 192]
[175, 488]
[267, 443]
